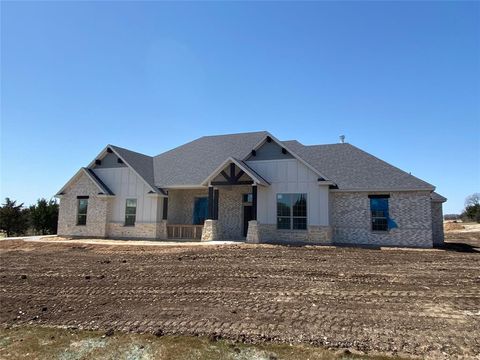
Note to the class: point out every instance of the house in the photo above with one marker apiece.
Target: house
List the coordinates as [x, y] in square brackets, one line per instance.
[251, 186]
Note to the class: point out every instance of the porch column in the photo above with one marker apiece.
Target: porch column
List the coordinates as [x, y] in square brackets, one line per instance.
[215, 204]
[165, 209]
[210, 203]
[254, 202]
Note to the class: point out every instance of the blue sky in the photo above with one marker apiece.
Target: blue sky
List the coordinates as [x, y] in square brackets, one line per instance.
[400, 79]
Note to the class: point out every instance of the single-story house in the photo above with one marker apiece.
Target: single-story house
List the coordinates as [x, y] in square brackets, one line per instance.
[253, 187]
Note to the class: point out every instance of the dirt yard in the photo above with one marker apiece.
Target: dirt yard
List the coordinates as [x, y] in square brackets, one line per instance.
[423, 303]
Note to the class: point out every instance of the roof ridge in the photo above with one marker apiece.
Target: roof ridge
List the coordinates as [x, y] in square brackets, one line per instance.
[235, 134]
[328, 144]
[208, 136]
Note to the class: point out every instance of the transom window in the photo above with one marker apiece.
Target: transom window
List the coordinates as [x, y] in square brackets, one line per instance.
[292, 211]
[247, 198]
[130, 212]
[82, 206]
[379, 212]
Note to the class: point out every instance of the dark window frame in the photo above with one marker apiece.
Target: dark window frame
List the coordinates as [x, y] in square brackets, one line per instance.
[288, 217]
[247, 198]
[379, 215]
[82, 215]
[130, 216]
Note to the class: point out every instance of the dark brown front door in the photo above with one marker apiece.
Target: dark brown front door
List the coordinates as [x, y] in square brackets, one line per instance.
[247, 216]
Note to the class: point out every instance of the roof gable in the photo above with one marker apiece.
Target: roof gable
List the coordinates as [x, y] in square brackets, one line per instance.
[241, 165]
[269, 150]
[102, 188]
[141, 164]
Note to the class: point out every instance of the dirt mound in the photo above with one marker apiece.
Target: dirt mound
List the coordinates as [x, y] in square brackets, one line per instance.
[452, 226]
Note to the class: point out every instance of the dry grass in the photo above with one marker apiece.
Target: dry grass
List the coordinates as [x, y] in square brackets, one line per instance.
[451, 226]
[30, 342]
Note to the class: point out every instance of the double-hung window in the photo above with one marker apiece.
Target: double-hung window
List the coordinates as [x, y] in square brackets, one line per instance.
[130, 212]
[292, 211]
[379, 212]
[82, 206]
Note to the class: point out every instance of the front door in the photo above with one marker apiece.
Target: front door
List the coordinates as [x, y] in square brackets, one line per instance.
[247, 216]
[200, 210]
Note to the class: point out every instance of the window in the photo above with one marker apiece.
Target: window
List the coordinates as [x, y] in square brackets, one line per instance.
[292, 211]
[82, 206]
[130, 212]
[247, 198]
[379, 211]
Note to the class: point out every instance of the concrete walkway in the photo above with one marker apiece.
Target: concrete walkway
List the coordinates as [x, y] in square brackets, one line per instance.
[56, 239]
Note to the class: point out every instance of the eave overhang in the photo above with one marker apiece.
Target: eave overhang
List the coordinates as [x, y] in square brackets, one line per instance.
[104, 191]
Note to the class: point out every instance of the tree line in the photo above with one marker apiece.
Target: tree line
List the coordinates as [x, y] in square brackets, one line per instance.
[38, 219]
[472, 208]
[471, 212]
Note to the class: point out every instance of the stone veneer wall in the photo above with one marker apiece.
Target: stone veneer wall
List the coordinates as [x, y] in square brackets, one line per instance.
[97, 212]
[230, 211]
[437, 223]
[180, 205]
[412, 211]
[211, 230]
[150, 231]
[139, 231]
[268, 233]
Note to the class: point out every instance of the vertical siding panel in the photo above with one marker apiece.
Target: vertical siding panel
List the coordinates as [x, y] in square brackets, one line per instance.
[126, 184]
[291, 176]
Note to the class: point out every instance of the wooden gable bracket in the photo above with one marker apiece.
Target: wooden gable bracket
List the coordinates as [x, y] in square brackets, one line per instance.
[232, 178]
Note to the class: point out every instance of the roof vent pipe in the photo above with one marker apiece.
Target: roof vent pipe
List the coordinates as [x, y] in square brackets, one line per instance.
[342, 139]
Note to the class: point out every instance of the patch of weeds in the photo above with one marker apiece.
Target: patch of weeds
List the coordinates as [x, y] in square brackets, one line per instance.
[79, 349]
[5, 341]
[138, 352]
[253, 354]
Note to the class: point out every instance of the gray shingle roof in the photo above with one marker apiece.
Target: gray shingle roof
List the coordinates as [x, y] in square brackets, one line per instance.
[193, 162]
[436, 197]
[344, 164]
[142, 164]
[354, 169]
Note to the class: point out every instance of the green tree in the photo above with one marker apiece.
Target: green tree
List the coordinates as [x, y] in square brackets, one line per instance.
[13, 218]
[472, 208]
[44, 217]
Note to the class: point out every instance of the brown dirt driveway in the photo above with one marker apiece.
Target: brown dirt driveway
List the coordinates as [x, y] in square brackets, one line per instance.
[422, 303]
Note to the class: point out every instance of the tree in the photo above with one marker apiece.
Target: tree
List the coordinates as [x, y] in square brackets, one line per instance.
[472, 200]
[472, 208]
[44, 217]
[13, 218]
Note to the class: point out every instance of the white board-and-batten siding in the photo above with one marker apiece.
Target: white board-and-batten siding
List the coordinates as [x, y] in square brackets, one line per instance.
[125, 184]
[290, 176]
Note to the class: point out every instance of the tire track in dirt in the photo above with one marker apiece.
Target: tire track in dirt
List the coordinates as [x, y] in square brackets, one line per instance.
[420, 303]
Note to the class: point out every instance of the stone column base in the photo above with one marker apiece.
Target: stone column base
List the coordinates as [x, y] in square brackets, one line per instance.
[162, 230]
[253, 232]
[211, 230]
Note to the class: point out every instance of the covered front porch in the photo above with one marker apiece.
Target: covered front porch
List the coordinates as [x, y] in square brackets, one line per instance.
[220, 209]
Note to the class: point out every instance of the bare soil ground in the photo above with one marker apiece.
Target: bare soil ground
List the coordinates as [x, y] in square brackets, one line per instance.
[421, 303]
